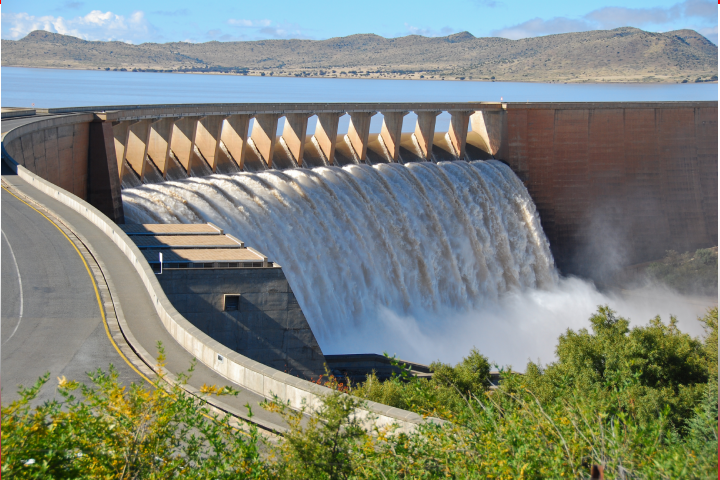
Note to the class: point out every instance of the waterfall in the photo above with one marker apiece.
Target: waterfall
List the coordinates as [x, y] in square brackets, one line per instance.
[356, 242]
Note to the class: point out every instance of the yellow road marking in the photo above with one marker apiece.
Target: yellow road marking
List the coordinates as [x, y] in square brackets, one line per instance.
[99, 300]
[92, 279]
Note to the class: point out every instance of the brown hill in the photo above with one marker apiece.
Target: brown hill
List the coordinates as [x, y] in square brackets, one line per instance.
[620, 55]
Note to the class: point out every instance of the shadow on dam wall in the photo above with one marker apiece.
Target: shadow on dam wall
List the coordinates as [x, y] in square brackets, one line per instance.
[615, 184]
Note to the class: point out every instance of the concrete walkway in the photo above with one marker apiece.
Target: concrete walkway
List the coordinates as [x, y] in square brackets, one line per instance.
[33, 236]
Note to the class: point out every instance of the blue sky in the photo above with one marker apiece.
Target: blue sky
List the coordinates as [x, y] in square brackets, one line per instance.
[136, 21]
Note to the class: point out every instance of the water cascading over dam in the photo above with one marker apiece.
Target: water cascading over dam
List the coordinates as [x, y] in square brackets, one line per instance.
[417, 239]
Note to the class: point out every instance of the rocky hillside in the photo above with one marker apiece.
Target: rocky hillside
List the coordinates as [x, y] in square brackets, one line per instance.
[620, 55]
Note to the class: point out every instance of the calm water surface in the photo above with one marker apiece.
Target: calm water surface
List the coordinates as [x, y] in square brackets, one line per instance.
[21, 87]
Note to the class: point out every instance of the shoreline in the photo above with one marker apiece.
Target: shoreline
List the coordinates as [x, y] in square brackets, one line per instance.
[323, 77]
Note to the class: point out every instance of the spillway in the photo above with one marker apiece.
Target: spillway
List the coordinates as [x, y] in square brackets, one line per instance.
[419, 239]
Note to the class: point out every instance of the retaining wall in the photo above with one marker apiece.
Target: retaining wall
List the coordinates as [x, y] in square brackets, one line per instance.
[268, 326]
[55, 149]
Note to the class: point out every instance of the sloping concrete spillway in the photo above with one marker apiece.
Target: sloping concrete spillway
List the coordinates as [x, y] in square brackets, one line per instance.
[416, 239]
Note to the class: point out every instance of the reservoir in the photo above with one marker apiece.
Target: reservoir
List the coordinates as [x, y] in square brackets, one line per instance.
[54, 88]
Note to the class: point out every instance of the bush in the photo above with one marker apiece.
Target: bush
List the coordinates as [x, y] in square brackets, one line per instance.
[641, 402]
[656, 366]
[111, 431]
[440, 396]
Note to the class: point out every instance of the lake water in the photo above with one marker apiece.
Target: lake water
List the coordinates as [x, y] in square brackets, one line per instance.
[21, 87]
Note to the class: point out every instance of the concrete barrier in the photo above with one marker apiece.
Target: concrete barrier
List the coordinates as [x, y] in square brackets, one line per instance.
[12, 112]
[241, 370]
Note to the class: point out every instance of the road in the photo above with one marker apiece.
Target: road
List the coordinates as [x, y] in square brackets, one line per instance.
[50, 319]
[61, 329]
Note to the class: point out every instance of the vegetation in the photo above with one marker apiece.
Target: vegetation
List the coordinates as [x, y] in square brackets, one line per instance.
[642, 402]
[689, 273]
[444, 393]
[126, 433]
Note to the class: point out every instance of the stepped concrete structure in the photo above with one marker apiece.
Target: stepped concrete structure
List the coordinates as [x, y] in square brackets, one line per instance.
[232, 293]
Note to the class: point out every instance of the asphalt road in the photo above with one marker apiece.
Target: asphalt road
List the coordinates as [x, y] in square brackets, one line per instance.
[61, 329]
[50, 320]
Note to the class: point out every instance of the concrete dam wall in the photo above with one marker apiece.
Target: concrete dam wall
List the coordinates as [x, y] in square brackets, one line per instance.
[617, 184]
[621, 182]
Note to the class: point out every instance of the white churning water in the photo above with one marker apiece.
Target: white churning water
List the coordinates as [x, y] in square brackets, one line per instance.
[417, 240]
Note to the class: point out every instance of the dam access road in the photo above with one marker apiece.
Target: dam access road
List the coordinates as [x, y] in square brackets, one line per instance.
[51, 319]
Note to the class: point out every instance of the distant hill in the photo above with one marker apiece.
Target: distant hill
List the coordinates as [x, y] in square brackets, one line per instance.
[621, 55]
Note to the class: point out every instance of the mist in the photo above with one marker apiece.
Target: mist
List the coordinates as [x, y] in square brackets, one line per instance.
[515, 329]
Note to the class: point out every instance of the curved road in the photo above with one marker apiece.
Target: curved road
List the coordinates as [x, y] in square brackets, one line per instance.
[61, 329]
[50, 319]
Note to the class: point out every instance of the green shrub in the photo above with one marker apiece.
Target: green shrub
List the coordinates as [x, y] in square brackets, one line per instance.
[441, 396]
[641, 402]
[111, 431]
[657, 365]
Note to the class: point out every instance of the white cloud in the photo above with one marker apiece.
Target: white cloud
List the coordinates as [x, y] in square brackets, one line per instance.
[264, 29]
[605, 18]
[96, 25]
[430, 32]
[243, 23]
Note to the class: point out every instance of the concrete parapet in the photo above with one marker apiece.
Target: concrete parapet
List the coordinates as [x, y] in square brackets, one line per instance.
[13, 112]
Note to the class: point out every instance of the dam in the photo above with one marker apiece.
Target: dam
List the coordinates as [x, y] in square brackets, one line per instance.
[643, 174]
[351, 225]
